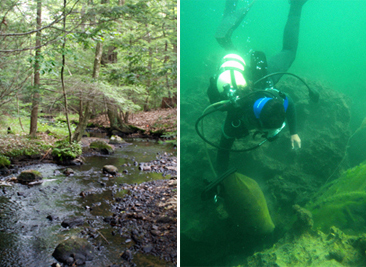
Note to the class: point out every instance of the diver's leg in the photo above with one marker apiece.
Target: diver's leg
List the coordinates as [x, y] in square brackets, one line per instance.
[283, 60]
[223, 156]
[230, 21]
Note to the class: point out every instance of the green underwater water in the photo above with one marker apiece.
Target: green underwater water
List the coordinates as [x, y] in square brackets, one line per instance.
[331, 51]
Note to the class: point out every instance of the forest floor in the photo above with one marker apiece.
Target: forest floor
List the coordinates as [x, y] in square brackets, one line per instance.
[153, 120]
[21, 144]
[160, 119]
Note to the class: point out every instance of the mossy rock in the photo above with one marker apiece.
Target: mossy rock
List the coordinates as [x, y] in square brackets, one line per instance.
[342, 202]
[29, 176]
[4, 161]
[115, 139]
[101, 147]
[74, 251]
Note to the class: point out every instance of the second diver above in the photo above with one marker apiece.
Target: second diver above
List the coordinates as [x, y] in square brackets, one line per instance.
[255, 103]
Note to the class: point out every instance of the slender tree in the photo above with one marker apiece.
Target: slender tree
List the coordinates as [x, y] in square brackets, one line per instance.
[37, 78]
[62, 74]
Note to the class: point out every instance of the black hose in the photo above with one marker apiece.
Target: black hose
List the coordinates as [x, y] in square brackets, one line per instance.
[314, 95]
[216, 146]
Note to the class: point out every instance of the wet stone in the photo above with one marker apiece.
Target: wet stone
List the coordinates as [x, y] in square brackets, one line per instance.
[29, 176]
[72, 222]
[127, 255]
[110, 169]
[74, 251]
[69, 172]
[147, 248]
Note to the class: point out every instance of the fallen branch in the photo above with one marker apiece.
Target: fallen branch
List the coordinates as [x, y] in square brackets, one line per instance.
[45, 155]
[103, 237]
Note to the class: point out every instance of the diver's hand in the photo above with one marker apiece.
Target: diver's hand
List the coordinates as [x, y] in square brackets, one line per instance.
[295, 139]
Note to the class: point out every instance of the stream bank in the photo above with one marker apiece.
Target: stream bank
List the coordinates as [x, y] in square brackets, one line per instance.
[129, 218]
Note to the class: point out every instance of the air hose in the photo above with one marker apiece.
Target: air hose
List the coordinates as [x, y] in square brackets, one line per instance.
[313, 95]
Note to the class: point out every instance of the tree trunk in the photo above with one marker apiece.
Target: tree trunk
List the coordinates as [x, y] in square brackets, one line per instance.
[85, 108]
[62, 76]
[115, 120]
[83, 123]
[37, 78]
[97, 60]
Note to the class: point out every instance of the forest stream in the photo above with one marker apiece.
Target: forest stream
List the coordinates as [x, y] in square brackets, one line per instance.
[107, 210]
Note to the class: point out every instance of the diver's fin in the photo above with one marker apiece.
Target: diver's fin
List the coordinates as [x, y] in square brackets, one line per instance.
[229, 23]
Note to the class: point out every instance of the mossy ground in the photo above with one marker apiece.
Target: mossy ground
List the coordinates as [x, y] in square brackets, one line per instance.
[15, 145]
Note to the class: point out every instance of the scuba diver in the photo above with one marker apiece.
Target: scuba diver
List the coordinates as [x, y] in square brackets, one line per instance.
[248, 93]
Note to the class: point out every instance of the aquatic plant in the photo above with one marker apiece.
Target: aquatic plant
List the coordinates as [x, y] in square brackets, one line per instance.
[342, 202]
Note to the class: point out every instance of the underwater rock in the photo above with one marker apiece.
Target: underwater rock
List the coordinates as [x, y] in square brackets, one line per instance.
[74, 251]
[304, 219]
[246, 205]
[110, 169]
[29, 176]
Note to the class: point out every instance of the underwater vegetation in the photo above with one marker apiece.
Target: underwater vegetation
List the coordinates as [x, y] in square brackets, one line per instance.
[342, 203]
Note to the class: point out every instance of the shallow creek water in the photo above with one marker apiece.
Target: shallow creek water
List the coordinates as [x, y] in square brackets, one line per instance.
[28, 238]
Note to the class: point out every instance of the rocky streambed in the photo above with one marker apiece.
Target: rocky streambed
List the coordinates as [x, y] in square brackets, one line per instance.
[128, 218]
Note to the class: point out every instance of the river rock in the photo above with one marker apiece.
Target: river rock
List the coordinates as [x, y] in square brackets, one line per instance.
[116, 140]
[29, 176]
[110, 169]
[74, 251]
[68, 171]
[4, 171]
[71, 222]
[101, 147]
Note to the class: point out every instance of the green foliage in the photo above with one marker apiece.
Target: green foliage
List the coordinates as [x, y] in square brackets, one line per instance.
[4, 161]
[63, 150]
[169, 135]
[342, 202]
[143, 35]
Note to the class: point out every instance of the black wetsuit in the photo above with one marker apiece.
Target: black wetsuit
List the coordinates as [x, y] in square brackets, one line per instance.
[281, 62]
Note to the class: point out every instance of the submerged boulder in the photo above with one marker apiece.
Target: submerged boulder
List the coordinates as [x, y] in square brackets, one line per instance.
[29, 176]
[74, 251]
